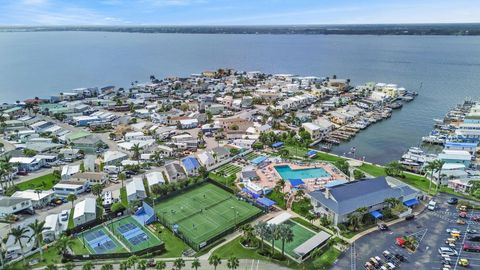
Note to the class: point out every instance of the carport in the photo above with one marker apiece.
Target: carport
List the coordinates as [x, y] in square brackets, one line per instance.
[411, 202]
[376, 214]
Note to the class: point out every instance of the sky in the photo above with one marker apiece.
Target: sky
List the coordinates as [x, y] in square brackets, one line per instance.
[235, 12]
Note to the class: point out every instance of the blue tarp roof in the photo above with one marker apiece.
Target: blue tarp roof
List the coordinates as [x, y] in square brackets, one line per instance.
[265, 201]
[258, 160]
[411, 202]
[277, 144]
[190, 163]
[311, 153]
[376, 214]
[296, 182]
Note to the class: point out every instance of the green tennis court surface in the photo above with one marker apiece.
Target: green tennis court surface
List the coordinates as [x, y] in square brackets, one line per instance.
[300, 235]
[203, 213]
[98, 240]
[228, 169]
[134, 235]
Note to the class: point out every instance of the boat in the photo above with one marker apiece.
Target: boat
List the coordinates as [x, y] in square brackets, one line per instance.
[395, 105]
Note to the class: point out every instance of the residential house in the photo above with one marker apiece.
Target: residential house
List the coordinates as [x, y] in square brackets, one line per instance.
[113, 157]
[13, 205]
[191, 165]
[39, 199]
[85, 211]
[174, 172]
[135, 190]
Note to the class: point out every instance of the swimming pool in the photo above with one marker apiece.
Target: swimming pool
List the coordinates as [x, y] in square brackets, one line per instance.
[288, 173]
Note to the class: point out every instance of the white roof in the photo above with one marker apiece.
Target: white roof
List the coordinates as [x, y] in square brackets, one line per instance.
[135, 185]
[72, 186]
[86, 206]
[70, 169]
[311, 126]
[113, 155]
[154, 178]
[30, 194]
[280, 218]
[51, 222]
[23, 160]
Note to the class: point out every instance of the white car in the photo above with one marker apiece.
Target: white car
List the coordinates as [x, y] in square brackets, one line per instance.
[447, 251]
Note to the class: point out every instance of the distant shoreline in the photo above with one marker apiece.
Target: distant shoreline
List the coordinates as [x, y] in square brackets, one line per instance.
[461, 29]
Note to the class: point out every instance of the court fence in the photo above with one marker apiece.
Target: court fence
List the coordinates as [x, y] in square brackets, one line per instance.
[150, 251]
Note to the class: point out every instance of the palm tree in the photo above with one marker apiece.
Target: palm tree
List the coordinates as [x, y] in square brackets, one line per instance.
[391, 202]
[122, 177]
[71, 198]
[179, 263]
[438, 168]
[19, 233]
[87, 266]
[132, 261]
[161, 265]
[354, 220]
[136, 151]
[37, 229]
[107, 266]
[215, 261]
[142, 265]
[430, 167]
[287, 236]
[261, 231]
[97, 189]
[196, 263]
[233, 263]
[275, 234]
[63, 243]
[248, 231]
[362, 211]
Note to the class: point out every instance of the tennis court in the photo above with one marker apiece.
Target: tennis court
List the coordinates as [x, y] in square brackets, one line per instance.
[99, 241]
[133, 234]
[228, 169]
[300, 235]
[202, 213]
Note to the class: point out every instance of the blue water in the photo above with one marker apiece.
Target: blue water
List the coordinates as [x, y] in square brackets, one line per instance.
[39, 64]
[287, 173]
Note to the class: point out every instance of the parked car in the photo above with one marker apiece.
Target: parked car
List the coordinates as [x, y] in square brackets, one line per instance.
[410, 217]
[447, 251]
[64, 216]
[474, 238]
[452, 200]
[452, 230]
[471, 247]
[382, 226]
[22, 173]
[461, 221]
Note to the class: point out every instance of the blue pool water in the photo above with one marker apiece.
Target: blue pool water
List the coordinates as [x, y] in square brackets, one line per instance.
[287, 173]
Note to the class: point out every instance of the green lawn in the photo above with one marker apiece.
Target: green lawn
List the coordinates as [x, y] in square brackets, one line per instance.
[300, 235]
[302, 207]
[174, 246]
[70, 224]
[227, 181]
[327, 259]
[306, 223]
[123, 196]
[302, 152]
[78, 248]
[45, 182]
[279, 198]
[51, 256]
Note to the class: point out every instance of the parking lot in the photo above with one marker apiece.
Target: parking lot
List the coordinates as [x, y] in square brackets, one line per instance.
[429, 228]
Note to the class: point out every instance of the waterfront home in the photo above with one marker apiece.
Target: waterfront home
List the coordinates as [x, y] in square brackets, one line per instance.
[316, 132]
[461, 146]
[14, 205]
[135, 189]
[85, 211]
[39, 199]
[339, 201]
[456, 156]
[174, 172]
[468, 132]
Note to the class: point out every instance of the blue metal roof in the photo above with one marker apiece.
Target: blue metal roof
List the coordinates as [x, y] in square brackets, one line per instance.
[265, 201]
[296, 182]
[277, 144]
[190, 163]
[461, 144]
[411, 202]
[311, 153]
[376, 214]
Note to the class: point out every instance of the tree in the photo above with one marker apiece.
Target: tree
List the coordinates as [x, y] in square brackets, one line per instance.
[196, 263]
[63, 243]
[122, 177]
[438, 168]
[286, 235]
[97, 190]
[411, 242]
[179, 263]
[357, 174]
[248, 233]
[117, 207]
[203, 171]
[142, 265]
[362, 212]
[132, 261]
[391, 202]
[215, 261]
[18, 234]
[161, 265]
[233, 263]
[273, 234]
[87, 266]
[107, 266]
[136, 151]
[343, 166]
[261, 230]
[71, 198]
[394, 168]
[430, 167]
[37, 229]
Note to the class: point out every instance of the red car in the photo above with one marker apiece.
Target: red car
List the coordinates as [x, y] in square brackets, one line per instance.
[471, 248]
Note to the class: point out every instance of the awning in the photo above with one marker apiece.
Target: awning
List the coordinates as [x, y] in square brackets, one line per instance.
[376, 214]
[311, 153]
[411, 202]
[258, 160]
[277, 144]
[296, 182]
[265, 202]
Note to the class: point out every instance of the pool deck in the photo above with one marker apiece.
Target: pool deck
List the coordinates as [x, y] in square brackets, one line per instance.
[268, 175]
